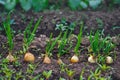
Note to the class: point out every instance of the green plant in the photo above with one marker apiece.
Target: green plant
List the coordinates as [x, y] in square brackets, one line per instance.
[79, 40]
[75, 58]
[95, 75]
[107, 46]
[9, 35]
[62, 78]
[62, 68]
[64, 26]
[30, 69]
[112, 3]
[18, 75]
[78, 4]
[61, 45]
[49, 47]
[94, 3]
[100, 23]
[37, 5]
[83, 4]
[81, 75]
[28, 34]
[47, 74]
[104, 67]
[26, 4]
[28, 38]
[7, 72]
[70, 73]
[94, 43]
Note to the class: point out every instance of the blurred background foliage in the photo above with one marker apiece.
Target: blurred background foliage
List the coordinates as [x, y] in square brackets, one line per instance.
[39, 5]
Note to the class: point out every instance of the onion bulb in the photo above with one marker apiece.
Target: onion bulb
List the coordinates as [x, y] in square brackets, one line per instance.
[92, 59]
[109, 60]
[47, 60]
[74, 59]
[59, 61]
[29, 57]
[10, 58]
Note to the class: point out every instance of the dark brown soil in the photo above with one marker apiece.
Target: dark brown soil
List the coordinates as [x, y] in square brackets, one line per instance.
[50, 18]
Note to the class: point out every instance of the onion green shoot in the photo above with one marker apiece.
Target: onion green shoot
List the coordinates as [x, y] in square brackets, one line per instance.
[51, 44]
[9, 33]
[29, 35]
[79, 40]
[62, 44]
[95, 43]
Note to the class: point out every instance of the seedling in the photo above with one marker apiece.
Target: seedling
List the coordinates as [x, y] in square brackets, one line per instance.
[108, 46]
[62, 78]
[9, 34]
[47, 74]
[70, 73]
[75, 58]
[8, 72]
[104, 67]
[28, 38]
[64, 26]
[94, 47]
[100, 45]
[95, 75]
[62, 68]
[61, 47]
[30, 69]
[81, 75]
[50, 46]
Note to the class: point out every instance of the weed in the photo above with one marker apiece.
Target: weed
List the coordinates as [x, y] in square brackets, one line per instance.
[7, 72]
[95, 75]
[70, 73]
[64, 26]
[47, 74]
[104, 67]
[81, 75]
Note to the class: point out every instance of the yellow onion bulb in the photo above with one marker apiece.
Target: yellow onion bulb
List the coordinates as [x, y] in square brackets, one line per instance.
[10, 58]
[29, 57]
[109, 60]
[59, 61]
[74, 59]
[47, 60]
[91, 59]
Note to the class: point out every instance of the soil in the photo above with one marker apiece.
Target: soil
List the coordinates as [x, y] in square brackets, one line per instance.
[109, 19]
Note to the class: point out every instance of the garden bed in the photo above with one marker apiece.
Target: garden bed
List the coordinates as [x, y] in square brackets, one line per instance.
[106, 21]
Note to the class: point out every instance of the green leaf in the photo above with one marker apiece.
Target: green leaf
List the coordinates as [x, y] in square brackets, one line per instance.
[39, 5]
[83, 5]
[26, 4]
[116, 1]
[74, 4]
[2, 2]
[10, 4]
[94, 3]
[79, 39]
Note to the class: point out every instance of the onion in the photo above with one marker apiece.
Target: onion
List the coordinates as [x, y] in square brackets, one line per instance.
[109, 60]
[47, 60]
[74, 59]
[92, 59]
[10, 58]
[59, 61]
[29, 57]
